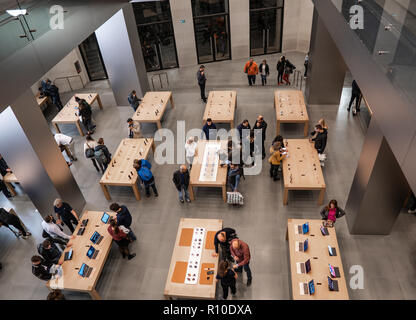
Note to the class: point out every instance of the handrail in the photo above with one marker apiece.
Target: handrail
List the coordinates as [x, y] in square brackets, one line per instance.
[298, 79]
[160, 79]
[67, 79]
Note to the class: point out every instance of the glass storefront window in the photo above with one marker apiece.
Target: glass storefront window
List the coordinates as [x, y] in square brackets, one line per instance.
[208, 7]
[262, 4]
[152, 11]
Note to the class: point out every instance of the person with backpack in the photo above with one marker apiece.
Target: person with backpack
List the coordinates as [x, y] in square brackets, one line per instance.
[8, 219]
[102, 155]
[252, 70]
[49, 251]
[289, 67]
[264, 72]
[228, 278]
[181, 181]
[52, 91]
[280, 67]
[89, 150]
[134, 100]
[85, 113]
[146, 176]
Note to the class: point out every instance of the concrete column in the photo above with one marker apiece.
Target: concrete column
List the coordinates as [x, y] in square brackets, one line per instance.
[183, 27]
[379, 188]
[327, 69]
[30, 150]
[240, 28]
[120, 47]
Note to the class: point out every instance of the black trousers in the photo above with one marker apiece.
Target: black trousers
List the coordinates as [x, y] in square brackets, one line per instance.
[279, 77]
[357, 100]
[148, 184]
[15, 222]
[4, 189]
[87, 122]
[69, 223]
[56, 100]
[226, 252]
[251, 79]
[263, 150]
[202, 87]
[274, 171]
[225, 289]
[94, 162]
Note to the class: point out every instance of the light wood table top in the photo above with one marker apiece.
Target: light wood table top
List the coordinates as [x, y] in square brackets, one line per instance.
[153, 106]
[221, 178]
[320, 259]
[221, 107]
[70, 279]
[302, 169]
[42, 101]
[70, 112]
[290, 108]
[120, 171]
[8, 179]
[181, 253]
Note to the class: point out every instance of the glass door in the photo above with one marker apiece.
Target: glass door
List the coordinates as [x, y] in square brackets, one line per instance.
[91, 55]
[154, 24]
[266, 25]
[212, 31]
[212, 38]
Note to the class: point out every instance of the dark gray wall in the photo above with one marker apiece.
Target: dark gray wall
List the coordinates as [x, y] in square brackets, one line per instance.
[395, 115]
[379, 187]
[327, 69]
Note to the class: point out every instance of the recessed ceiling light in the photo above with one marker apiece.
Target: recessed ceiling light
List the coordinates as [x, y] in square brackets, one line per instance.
[16, 12]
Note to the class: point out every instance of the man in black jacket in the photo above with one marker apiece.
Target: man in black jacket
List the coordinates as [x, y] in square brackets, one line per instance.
[320, 139]
[4, 168]
[41, 268]
[262, 125]
[49, 251]
[223, 238]
[52, 91]
[356, 95]
[202, 79]
[7, 219]
[85, 112]
[65, 214]
[181, 181]
[123, 218]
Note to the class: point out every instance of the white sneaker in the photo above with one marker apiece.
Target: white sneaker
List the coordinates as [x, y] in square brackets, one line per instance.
[411, 211]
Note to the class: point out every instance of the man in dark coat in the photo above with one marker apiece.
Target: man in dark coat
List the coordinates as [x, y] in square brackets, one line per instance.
[181, 181]
[134, 100]
[223, 238]
[202, 79]
[356, 95]
[52, 91]
[262, 125]
[209, 130]
[320, 139]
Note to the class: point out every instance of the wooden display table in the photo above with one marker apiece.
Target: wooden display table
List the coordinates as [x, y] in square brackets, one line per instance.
[221, 177]
[153, 106]
[120, 171]
[70, 279]
[221, 107]
[8, 179]
[290, 108]
[206, 284]
[302, 169]
[318, 254]
[44, 101]
[69, 113]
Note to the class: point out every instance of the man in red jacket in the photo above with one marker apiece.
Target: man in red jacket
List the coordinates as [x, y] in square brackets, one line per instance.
[241, 254]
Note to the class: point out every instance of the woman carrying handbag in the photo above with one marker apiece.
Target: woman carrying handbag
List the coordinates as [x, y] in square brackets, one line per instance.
[120, 236]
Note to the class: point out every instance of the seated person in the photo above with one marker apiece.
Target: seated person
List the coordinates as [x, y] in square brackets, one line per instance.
[234, 176]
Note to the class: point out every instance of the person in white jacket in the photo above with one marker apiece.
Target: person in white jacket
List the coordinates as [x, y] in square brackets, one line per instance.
[190, 150]
[134, 129]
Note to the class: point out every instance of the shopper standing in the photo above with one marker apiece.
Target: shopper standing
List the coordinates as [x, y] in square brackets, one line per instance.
[264, 72]
[228, 277]
[65, 214]
[356, 95]
[181, 181]
[7, 219]
[134, 129]
[89, 150]
[52, 91]
[66, 143]
[85, 113]
[102, 155]
[134, 100]
[241, 254]
[223, 238]
[190, 150]
[119, 235]
[209, 130]
[202, 79]
[143, 170]
[260, 124]
[123, 218]
[252, 70]
[280, 69]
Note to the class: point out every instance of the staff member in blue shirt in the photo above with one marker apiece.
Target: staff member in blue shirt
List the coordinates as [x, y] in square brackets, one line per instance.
[143, 170]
